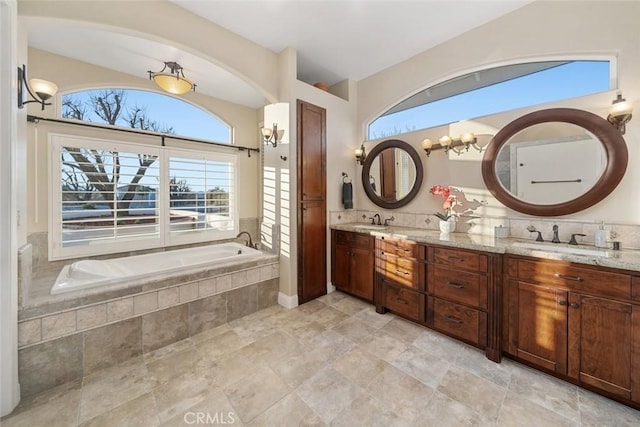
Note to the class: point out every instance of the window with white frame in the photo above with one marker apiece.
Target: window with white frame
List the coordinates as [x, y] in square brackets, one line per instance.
[201, 194]
[108, 196]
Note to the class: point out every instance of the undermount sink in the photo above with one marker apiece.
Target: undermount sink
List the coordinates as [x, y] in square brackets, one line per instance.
[561, 249]
[371, 227]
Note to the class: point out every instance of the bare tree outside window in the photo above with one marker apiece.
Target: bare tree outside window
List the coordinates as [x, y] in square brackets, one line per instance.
[88, 169]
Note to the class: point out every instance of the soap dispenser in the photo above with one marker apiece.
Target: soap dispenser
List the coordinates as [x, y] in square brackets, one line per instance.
[601, 237]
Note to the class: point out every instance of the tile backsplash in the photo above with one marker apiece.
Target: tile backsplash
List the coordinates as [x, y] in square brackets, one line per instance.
[627, 234]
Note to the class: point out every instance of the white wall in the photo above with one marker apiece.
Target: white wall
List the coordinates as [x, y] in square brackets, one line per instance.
[9, 388]
[538, 30]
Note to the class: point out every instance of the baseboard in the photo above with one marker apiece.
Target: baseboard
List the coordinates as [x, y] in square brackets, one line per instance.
[287, 301]
[330, 288]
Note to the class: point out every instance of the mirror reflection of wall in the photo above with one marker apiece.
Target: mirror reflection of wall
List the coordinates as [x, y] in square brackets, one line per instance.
[550, 163]
[392, 174]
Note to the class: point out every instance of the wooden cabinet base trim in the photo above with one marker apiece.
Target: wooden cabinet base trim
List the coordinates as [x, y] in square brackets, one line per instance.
[604, 385]
[549, 365]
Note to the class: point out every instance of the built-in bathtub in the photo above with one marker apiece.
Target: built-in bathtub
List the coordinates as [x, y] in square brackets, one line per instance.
[89, 274]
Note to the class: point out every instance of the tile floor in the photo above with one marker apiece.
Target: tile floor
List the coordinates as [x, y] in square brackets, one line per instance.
[333, 361]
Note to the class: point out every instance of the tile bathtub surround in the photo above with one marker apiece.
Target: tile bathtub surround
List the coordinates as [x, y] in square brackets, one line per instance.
[286, 367]
[37, 273]
[627, 234]
[40, 328]
[198, 282]
[51, 363]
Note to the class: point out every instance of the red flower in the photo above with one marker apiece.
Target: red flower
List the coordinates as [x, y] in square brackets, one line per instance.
[449, 201]
[439, 189]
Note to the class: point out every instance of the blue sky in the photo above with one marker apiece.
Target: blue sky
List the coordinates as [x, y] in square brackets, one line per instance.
[566, 81]
[186, 119]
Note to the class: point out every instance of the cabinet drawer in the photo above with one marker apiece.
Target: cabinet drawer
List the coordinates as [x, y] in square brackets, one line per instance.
[463, 322]
[402, 271]
[459, 286]
[404, 301]
[354, 239]
[459, 259]
[401, 248]
[585, 280]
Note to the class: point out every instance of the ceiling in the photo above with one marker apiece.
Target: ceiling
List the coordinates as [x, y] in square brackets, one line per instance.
[335, 40]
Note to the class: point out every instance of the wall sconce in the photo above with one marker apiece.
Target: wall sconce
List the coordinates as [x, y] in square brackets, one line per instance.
[175, 83]
[360, 154]
[457, 145]
[620, 113]
[273, 135]
[40, 90]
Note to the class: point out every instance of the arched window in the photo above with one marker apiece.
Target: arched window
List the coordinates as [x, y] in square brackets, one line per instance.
[494, 90]
[145, 110]
[116, 195]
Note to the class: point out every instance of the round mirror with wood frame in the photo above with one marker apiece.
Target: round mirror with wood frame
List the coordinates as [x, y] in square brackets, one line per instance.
[615, 165]
[376, 192]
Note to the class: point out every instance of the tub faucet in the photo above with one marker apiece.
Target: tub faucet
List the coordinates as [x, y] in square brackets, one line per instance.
[555, 239]
[248, 242]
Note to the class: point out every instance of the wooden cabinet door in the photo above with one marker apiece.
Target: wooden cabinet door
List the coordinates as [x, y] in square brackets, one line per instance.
[312, 262]
[311, 144]
[361, 273]
[601, 343]
[538, 325]
[340, 267]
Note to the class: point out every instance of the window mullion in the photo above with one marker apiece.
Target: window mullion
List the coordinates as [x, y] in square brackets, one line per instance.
[164, 211]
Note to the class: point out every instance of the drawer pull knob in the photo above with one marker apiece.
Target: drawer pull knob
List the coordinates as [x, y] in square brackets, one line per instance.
[575, 305]
[574, 278]
[455, 285]
[401, 301]
[453, 320]
[406, 273]
[455, 258]
[562, 302]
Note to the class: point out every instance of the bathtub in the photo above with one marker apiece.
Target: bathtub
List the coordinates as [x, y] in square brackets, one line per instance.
[88, 274]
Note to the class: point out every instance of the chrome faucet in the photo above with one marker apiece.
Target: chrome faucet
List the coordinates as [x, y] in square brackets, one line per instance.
[555, 239]
[249, 242]
[373, 219]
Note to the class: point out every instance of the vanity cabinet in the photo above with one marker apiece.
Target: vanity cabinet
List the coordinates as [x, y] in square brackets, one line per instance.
[451, 290]
[577, 321]
[352, 263]
[400, 272]
[458, 285]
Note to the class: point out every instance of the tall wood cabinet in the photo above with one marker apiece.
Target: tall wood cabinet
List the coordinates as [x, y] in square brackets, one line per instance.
[311, 197]
[577, 321]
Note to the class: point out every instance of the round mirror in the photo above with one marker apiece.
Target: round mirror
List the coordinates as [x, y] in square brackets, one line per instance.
[554, 162]
[392, 174]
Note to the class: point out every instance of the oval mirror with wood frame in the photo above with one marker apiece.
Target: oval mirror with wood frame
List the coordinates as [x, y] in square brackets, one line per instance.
[554, 162]
[392, 174]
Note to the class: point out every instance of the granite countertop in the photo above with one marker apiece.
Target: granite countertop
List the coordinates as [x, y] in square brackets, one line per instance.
[625, 259]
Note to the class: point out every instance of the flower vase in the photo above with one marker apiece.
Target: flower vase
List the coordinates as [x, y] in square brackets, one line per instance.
[448, 226]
